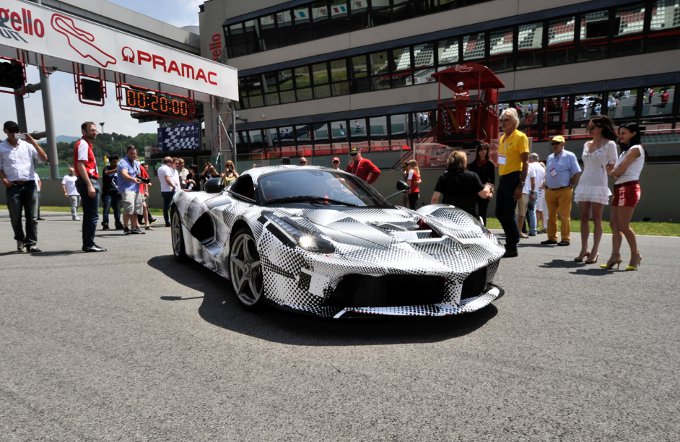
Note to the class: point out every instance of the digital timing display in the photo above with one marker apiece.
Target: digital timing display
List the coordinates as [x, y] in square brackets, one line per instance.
[138, 99]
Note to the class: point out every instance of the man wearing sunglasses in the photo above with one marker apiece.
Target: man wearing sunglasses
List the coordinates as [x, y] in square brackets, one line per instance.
[362, 167]
[17, 172]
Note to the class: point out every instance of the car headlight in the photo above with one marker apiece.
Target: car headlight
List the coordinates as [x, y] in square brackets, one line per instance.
[297, 237]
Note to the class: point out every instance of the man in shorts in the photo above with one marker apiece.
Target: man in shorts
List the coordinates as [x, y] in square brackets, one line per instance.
[128, 186]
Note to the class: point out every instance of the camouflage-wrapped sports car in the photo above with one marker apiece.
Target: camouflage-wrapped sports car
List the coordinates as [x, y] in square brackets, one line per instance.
[324, 242]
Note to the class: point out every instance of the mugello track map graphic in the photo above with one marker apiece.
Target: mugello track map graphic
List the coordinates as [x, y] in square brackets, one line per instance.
[80, 40]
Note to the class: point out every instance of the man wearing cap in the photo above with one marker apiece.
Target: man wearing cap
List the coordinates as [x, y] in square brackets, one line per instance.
[362, 167]
[336, 163]
[461, 97]
[513, 160]
[561, 176]
[17, 171]
[87, 183]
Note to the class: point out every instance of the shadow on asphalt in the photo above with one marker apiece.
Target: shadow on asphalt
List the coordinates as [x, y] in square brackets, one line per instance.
[562, 264]
[220, 308]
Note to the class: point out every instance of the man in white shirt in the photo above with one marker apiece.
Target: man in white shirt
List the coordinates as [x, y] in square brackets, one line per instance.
[169, 180]
[529, 195]
[17, 172]
[68, 183]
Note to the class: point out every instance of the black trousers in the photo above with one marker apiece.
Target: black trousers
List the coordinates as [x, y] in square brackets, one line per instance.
[505, 208]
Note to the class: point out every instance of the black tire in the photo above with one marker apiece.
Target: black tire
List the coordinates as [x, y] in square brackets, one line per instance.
[245, 270]
[177, 237]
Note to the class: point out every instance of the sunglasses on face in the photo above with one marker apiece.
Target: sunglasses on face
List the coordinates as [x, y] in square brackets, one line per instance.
[335, 162]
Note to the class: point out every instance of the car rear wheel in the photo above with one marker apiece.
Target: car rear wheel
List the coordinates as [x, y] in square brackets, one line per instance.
[245, 270]
[177, 238]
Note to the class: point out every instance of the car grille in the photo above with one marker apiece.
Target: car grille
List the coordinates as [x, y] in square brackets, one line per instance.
[475, 283]
[387, 291]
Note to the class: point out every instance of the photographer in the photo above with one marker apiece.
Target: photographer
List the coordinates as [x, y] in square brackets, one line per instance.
[229, 175]
[128, 186]
[209, 171]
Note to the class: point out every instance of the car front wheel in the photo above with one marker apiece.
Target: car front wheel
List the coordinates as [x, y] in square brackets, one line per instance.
[177, 238]
[245, 270]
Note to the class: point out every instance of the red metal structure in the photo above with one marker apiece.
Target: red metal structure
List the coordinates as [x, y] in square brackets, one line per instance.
[463, 119]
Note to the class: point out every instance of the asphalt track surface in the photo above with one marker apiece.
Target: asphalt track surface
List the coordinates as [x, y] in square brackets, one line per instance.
[130, 345]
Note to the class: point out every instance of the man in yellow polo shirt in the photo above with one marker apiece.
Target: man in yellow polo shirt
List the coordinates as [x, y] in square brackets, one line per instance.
[513, 163]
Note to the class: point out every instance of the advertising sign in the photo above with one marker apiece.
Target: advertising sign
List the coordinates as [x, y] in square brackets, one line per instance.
[45, 31]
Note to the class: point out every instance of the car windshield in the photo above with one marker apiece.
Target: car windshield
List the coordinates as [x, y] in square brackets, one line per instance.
[317, 186]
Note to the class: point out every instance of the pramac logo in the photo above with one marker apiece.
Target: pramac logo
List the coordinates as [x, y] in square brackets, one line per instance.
[157, 62]
[80, 40]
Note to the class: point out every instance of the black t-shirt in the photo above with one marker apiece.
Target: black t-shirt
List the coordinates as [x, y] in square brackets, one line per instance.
[459, 188]
[486, 172]
[109, 183]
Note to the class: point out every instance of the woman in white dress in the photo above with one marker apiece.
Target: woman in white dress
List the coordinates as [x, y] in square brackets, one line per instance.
[592, 192]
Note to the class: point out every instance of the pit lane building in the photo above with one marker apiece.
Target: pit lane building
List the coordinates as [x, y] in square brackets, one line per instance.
[316, 77]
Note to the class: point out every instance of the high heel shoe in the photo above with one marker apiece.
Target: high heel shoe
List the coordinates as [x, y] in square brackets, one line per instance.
[634, 267]
[592, 260]
[611, 263]
[582, 256]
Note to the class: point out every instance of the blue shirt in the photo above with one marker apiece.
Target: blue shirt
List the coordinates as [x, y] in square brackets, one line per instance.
[559, 169]
[125, 185]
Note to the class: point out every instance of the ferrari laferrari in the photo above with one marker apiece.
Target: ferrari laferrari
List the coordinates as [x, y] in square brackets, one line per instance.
[323, 242]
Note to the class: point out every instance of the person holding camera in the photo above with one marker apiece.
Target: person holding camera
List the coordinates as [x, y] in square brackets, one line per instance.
[209, 171]
[17, 172]
[128, 186]
[229, 175]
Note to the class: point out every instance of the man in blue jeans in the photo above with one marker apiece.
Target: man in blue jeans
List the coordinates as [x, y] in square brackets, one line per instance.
[169, 180]
[17, 172]
[88, 184]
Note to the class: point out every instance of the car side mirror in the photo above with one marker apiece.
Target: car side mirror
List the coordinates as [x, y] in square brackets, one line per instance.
[214, 185]
[402, 185]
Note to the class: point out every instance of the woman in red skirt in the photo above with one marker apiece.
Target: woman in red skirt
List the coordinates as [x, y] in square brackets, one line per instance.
[626, 195]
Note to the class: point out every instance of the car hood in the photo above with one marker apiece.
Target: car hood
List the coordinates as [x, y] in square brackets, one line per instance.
[385, 227]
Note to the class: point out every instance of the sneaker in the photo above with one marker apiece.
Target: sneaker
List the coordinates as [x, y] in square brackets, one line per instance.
[76, 218]
[136, 232]
[126, 231]
[105, 227]
[20, 246]
[33, 249]
[549, 242]
[94, 248]
[563, 243]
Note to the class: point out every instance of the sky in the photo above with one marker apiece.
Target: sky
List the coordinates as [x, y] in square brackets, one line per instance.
[68, 112]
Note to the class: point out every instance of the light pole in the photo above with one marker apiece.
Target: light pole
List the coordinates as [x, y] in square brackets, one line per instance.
[102, 125]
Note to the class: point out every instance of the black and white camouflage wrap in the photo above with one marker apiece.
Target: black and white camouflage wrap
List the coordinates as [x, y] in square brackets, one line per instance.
[374, 247]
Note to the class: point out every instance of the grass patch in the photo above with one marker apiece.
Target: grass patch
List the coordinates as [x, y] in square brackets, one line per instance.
[639, 227]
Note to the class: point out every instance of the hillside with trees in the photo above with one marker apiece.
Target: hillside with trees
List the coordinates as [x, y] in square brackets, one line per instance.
[109, 144]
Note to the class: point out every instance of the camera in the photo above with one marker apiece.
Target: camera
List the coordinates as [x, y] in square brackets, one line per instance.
[145, 180]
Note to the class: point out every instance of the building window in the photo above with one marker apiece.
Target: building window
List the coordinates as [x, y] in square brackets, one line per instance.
[423, 62]
[621, 104]
[593, 35]
[628, 21]
[303, 30]
[359, 74]
[473, 46]
[447, 52]
[271, 93]
[587, 106]
[322, 88]
[402, 71]
[560, 48]
[657, 101]
[529, 45]
[339, 17]
[303, 83]
[501, 50]
[340, 83]
[665, 19]
[268, 35]
[380, 72]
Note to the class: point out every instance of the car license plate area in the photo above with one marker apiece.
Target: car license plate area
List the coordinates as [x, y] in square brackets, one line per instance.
[387, 291]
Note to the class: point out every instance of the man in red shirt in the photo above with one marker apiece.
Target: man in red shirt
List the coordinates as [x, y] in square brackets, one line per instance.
[362, 167]
[87, 184]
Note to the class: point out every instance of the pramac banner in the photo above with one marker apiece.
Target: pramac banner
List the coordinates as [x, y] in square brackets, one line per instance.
[46, 31]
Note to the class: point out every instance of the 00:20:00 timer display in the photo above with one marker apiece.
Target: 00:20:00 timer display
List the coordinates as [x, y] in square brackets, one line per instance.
[159, 103]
